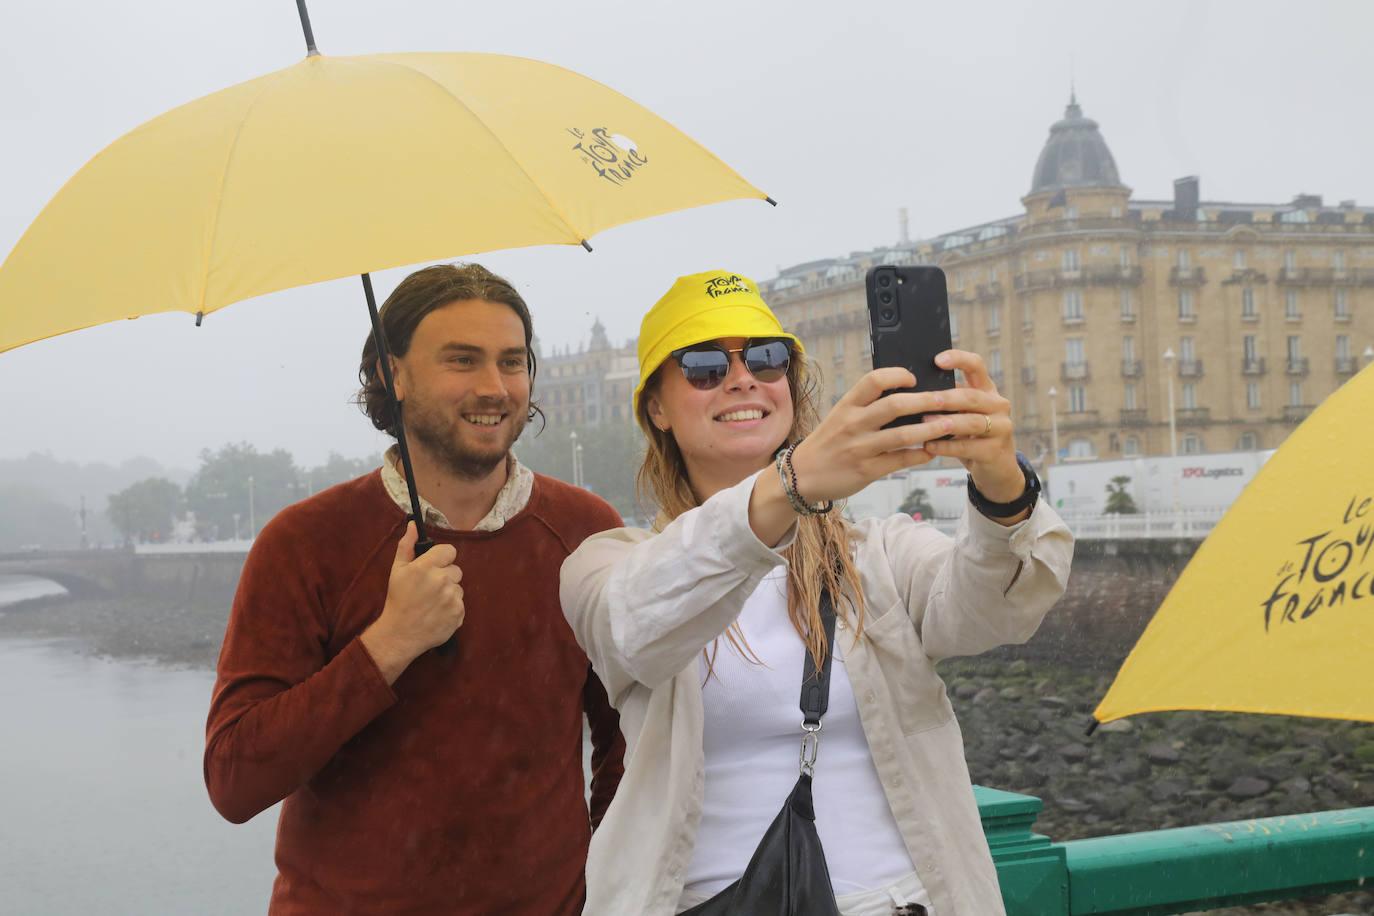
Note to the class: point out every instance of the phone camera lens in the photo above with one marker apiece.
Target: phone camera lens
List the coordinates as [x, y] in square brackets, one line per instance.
[884, 280]
[885, 298]
[889, 315]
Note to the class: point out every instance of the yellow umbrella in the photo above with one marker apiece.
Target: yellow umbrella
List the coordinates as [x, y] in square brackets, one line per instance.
[1275, 612]
[339, 166]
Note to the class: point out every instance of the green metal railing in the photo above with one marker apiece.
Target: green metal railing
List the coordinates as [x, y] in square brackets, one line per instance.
[1174, 871]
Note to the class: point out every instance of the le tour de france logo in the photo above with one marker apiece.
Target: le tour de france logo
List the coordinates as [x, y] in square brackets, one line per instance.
[724, 286]
[614, 157]
[1328, 568]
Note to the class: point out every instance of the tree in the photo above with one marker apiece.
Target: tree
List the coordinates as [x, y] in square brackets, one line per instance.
[611, 455]
[221, 489]
[337, 469]
[145, 511]
[917, 502]
[1119, 499]
[33, 517]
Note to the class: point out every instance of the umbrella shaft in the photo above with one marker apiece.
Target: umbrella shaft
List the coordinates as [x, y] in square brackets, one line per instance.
[311, 50]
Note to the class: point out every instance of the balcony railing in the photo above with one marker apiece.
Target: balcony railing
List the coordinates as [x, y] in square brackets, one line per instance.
[1298, 365]
[1187, 276]
[1190, 368]
[1194, 416]
[1134, 416]
[1307, 276]
[1345, 365]
[1296, 413]
[990, 292]
[1252, 366]
[1079, 418]
[1248, 275]
[1072, 372]
[1028, 375]
[1131, 368]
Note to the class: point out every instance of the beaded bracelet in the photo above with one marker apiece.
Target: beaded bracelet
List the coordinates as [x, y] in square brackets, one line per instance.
[788, 475]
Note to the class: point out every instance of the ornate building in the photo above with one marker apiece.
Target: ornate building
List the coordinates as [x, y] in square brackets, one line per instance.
[1090, 306]
[587, 386]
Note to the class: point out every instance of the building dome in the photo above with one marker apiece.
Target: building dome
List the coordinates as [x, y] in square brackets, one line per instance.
[1075, 155]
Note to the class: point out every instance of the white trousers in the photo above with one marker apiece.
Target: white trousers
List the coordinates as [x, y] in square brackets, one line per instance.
[882, 902]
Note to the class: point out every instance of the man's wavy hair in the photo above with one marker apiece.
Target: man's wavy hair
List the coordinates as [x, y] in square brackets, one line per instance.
[417, 295]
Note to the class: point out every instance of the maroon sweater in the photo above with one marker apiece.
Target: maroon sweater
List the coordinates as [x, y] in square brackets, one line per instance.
[459, 789]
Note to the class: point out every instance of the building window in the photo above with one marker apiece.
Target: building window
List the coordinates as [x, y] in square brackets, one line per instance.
[1294, 348]
[1070, 259]
[1078, 398]
[1073, 305]
[1295, 393]
[1186, 310]
[995, 362]
[1290, 260]
[1338, 261]
[1248, 442]
[1073, 351]
[1187, 352]
[1252, 395]
[1081, 449]
[1290, 305]
[1192, 445]
[1128, 348]
[1342, 347]
[994, 319]
[1129, 400]
[1027, 312]
[1127, 304]
[1183, 259]
[1131, 447]
[1247, 303]
[992, 274]
[1125, 256]
[1342, 306]
[839, 349]
[1190, 396]
[954, 324]
[1239, 262]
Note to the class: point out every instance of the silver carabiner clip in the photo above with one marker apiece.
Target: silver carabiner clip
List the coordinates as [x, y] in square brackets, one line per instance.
[810, 747]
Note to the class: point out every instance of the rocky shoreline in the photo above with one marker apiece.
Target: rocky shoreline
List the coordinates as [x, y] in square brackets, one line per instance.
[1023, 720]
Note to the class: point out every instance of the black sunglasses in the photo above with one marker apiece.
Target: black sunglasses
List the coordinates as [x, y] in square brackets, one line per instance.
[705, 365]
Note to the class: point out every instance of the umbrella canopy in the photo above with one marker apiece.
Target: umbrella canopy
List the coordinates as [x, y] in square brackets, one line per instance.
[339, 166]
[1275, 612]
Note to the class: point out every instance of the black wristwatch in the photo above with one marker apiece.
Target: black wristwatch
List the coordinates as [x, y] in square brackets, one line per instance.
[1016, 506]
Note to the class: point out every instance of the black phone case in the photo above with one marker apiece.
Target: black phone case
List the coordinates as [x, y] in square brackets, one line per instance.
[916, 333]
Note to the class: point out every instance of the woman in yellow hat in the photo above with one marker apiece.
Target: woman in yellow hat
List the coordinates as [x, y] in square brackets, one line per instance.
[699, 629]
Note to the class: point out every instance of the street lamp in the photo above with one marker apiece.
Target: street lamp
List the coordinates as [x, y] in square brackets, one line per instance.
[575, 448]
[581, 481]
[252, 516]
[1054, 424]
[1169, 374]
[237, 516]
[1368, 354]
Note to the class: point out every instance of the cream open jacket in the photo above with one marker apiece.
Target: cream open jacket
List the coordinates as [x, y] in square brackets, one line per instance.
[643, 605]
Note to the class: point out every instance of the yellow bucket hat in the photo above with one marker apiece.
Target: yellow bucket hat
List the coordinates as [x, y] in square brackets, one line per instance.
[702, 307]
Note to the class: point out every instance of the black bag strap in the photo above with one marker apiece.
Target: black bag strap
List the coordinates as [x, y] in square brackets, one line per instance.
[815, 689]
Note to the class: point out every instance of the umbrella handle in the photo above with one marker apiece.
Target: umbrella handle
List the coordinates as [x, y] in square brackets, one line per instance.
[423, 542]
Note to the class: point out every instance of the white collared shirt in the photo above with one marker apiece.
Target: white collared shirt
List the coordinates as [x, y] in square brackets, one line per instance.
[512, 498]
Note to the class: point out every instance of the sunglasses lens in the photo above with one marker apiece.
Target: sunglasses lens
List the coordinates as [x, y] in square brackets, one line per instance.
[768, 361]
[704, 369]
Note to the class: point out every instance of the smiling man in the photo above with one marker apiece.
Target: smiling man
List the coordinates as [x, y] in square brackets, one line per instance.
[414, 781]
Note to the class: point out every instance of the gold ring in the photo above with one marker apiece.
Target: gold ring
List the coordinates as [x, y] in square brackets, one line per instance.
[988, 420]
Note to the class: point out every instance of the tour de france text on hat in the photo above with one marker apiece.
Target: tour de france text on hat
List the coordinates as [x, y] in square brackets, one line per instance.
[701, 307]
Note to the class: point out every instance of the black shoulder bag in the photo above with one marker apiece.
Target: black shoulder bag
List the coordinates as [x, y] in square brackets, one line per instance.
[787, 875]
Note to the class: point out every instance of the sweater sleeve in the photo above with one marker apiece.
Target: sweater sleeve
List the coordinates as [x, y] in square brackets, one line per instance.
[281, 709]
[989, 585]
[608, 746]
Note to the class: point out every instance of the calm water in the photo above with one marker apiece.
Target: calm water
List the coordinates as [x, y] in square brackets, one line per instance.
[102, 804]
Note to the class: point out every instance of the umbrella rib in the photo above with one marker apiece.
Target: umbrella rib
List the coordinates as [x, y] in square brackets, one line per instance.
[223, 182]
[581, 236]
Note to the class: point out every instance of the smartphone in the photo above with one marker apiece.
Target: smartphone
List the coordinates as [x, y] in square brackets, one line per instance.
[908, 322]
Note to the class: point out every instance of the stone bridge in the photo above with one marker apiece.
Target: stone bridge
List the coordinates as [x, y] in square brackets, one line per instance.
[187, 574]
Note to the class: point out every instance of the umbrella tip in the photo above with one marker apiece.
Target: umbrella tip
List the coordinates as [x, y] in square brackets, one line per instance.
[200, 316]
[1091, 728]
[585, 245]
[770, 200]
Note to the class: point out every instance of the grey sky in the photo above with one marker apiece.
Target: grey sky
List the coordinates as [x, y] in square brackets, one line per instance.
[843, 112]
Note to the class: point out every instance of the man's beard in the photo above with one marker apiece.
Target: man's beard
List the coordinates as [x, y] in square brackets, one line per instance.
[440, 431]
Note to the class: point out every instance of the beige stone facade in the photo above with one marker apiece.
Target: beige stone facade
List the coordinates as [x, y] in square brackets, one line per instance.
[1265, 308]
[587, 386]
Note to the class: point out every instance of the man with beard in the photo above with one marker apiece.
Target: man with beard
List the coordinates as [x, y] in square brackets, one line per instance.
[415, 781]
